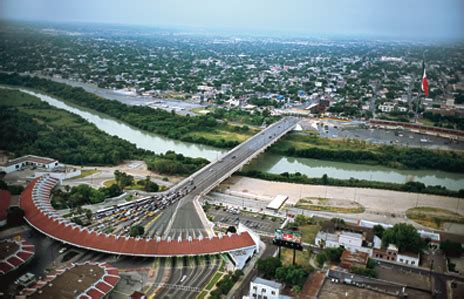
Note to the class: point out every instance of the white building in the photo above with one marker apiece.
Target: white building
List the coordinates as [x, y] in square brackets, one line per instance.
[261, 288]
[326, 240]
[351, 241]
[29, 160]
[387, 107]
[408, 258]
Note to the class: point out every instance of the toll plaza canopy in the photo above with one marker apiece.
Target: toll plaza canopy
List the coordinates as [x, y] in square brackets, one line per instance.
[35, 200]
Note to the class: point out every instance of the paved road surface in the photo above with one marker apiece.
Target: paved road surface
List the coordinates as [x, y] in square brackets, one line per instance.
[183, 214]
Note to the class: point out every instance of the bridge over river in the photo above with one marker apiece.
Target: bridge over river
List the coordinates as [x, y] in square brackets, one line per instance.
[179, 226]
[186, 217]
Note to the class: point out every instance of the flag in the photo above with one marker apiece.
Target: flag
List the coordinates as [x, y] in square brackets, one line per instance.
[425, 82]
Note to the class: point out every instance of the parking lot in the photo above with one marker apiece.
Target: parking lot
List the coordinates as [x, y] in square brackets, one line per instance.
[404, 277]
[264, 225]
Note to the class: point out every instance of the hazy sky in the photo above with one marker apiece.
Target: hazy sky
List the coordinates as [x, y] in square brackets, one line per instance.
[440, 19]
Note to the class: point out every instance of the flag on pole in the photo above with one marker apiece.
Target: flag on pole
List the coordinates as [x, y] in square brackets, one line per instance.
[425, 82]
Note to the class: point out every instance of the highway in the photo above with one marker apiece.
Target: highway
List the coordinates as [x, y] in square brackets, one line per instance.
[183, 218]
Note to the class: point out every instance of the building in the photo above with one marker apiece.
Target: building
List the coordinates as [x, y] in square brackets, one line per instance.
[88, 280]
[387, 107]
[360, 239]
[14, 254]
[29, 160]
[351, 241]
[5, 198]
[354, 259]
[277, 202]
[326, 240]
[261, 288]
[408, 258]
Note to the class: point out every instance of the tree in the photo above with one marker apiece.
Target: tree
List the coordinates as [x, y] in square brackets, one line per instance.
[404, 236]
[268, 266]
[451, 248]
[136, 231]
[231, 229]
[123, 179]
[378, 230]
[113, 191]
[149, 186]
[291, 275]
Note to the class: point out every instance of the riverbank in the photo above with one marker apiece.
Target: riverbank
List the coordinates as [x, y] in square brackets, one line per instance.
[267, 162]
[375, 202]
[29, 125]
[207, 130]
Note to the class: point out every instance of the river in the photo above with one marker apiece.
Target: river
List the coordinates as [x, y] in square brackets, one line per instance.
[267, 162]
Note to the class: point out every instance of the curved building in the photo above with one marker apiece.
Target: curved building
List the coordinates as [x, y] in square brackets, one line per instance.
[35, 200]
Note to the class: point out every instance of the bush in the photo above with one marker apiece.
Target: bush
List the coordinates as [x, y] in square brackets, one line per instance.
[364, 272]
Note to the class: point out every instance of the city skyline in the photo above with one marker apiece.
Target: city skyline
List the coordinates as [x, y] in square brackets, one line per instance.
[414, 20]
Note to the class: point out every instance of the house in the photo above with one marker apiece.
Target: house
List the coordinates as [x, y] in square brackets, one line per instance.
[29, 160]
[408, 258]
[326, 240]
[387, 107]
[261, 288]
[361, 239]
[388, 254]
[354, 259]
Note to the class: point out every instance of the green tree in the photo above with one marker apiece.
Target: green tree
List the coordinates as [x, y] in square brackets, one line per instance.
[123, 179]
[378, 230]
[404, 236]
[136, 231]
[291, 275]
[268, 266]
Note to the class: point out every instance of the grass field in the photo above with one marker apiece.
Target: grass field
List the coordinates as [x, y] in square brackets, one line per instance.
[108, 183]
[86, 173]
[309, 204]
[308, 232]
[217, 276]
[301, 257]
[222, 134]
[433, 217]
[202, 295]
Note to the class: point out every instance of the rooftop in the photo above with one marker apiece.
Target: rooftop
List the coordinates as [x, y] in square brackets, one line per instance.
[269, 283]
[355, 257]
[83, 280]
[7, 248]
[30, 158]
[71, 283]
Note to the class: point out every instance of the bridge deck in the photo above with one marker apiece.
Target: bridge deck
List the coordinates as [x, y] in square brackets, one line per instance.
[182, 217]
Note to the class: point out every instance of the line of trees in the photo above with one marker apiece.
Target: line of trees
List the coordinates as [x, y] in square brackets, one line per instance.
[387, 155]
[82, 195]
[157, 121]
[71, 139]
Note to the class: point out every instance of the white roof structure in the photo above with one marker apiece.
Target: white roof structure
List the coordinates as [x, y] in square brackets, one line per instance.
[277, 202]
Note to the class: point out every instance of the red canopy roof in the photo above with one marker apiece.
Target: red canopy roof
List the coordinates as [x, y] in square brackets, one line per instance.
[81, 237]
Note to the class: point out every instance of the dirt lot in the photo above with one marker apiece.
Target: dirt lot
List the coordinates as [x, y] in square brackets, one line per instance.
[338, 291]
[373, 200]
[403, 277]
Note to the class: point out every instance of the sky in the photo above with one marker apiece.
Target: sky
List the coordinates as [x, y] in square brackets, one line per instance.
[402, 19]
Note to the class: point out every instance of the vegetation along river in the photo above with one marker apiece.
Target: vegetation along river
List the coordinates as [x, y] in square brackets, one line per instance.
[267, 162]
